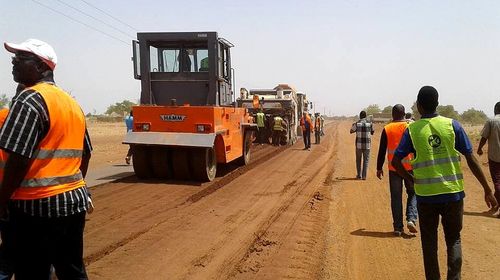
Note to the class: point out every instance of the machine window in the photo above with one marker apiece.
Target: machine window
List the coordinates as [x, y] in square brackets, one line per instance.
[178, 60]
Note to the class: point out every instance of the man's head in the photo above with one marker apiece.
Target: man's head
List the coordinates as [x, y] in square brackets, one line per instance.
[362, 114]
[33, 60]
[427, 100]
[305, 114]
[497, 108]
[408, 116]
[398, 112]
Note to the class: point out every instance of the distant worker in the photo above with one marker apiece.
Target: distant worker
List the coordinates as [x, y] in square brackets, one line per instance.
[389, 141]
[261, 126]
[277, 130]
[322, 126]
[317, 129]
[437, 143]
[204, 64]
[409, 118]
[129, 123]
[491, 133]
[364, 131]
[307, 127]
[43, 185]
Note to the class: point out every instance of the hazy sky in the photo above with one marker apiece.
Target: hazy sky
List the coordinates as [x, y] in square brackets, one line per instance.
[344, 54]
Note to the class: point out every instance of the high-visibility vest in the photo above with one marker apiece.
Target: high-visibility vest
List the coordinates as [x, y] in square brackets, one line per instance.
[304, 122]
[260, 119]
[277, 123]
[3, 154]
[55, 165]
[436, 166]
[394, 132]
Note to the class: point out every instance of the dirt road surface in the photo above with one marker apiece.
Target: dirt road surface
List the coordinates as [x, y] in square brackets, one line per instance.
[291, 214]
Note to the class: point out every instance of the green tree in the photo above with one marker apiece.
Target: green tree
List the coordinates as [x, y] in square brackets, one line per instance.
[448, 111]
[4, 101]
[120, 107]
[473, 116]
[387, 110]
[372, 109]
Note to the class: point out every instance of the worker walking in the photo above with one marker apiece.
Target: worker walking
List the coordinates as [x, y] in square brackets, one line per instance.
[437, 143]
[389, 140]
[364, 131]
[307, 127]
[129, 123]
[491, 133]
[261, 126]
[277, 130]
[317, 129]
[49, 149]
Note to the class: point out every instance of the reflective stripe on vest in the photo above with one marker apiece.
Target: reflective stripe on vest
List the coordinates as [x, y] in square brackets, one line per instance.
[55, 166]
[436, 166]
[394, 132]
[277, 123]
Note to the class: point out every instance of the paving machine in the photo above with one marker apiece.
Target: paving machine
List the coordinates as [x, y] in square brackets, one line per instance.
[187, 121]
[280, 101]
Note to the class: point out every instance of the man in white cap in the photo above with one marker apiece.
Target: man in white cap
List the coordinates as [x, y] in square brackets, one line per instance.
[48, 149]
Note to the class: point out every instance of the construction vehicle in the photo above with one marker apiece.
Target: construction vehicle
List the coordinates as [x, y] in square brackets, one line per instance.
[187, 122]
[280, 101]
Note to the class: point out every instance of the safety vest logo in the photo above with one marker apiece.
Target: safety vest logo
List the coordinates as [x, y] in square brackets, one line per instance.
[434, 141]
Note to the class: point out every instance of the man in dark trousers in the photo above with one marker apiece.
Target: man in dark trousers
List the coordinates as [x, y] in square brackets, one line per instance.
[43, 187]
[437, 143]
[307, 127]
[364, 131]
[389, 140]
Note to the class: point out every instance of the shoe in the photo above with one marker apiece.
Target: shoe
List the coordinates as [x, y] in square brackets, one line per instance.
[363, 178]
[398, 233]
[127, 160]
[308, 149]
[412, 227]
[358, 177]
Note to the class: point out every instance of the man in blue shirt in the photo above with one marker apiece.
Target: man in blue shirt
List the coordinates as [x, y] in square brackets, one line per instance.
[129, 122]
[441, 196]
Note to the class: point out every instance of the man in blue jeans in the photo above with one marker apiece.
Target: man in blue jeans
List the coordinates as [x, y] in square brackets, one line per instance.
[364, 131]
[389, 140]
[437, 143]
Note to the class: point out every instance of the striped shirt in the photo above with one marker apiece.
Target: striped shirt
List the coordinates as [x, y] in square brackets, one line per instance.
[25, 127]
[364, 131]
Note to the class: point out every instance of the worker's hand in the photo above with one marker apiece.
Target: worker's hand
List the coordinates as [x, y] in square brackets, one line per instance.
[480, 152]
[380, 174]
[490, 200]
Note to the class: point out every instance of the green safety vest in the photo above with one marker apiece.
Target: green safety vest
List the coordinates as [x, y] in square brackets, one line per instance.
[277, 123]
[260, 119]
[436, 166]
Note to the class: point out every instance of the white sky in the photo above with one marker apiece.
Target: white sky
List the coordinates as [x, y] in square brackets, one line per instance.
[344, 54]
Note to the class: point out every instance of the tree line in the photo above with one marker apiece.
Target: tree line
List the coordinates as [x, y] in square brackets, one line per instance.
[470, 116]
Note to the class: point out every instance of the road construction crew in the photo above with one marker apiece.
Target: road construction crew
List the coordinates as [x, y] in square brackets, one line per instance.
[261, 126]
[277, 130]
[49, 150]
[307, 127]
[389, 140]
[317, 129]
[436, 142]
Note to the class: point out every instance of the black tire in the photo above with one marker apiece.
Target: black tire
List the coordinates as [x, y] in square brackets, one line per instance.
[180, 163]
[204, 164]
[141, 159]
[160, 162]
[247, 144]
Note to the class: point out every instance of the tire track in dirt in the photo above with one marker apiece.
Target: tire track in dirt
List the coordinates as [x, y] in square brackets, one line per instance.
[264, 155]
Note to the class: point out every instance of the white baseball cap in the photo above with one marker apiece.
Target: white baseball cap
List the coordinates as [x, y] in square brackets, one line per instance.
[39, 48]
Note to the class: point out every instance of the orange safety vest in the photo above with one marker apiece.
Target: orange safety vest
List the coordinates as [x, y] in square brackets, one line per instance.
[394, 132]
[303, 123]
[3, 154]
[55, 165]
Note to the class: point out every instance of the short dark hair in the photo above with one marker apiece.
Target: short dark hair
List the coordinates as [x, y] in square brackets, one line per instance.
[362, 114]
[428, 98]
[398, 111]
[408, 115]
[497, 108]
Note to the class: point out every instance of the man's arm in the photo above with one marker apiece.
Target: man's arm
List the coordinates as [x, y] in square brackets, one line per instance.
[381, 154]
[478, 173]
[396, 162]
[353, 128]
[481, 144]
[16, 168]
